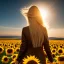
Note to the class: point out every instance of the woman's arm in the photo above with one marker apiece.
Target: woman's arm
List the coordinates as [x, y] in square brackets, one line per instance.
[46, 46]
[23, 47]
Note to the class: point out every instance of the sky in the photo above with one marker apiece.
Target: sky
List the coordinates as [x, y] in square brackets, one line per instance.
[12, 21]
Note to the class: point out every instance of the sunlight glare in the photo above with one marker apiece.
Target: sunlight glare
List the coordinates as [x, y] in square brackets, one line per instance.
[44, 14]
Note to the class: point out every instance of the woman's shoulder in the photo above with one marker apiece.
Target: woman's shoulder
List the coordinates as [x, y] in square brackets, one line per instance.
[24, 28]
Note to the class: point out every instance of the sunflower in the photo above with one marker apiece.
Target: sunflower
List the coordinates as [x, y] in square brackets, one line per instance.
[31, 59]
[53, 55]
[14, 56]
[1, 49]
[60, 51]
[60, 46]
[55, 46]
[5, 59]
[9, 51]
[17, 49]
[53, 51]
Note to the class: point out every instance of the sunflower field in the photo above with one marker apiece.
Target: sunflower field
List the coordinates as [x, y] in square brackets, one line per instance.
[9, 50]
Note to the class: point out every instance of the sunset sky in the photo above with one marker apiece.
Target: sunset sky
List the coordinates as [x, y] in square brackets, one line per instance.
[12, 21]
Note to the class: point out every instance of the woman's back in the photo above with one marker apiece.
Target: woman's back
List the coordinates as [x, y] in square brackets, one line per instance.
[34, 37]
[37, 51]
[28, 36]
[28, 48]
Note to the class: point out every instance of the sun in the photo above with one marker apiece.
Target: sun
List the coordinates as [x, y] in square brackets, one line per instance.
[44, 13]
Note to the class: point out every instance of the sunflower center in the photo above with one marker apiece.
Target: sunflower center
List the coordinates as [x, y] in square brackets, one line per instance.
[53, 55]
[14, 56]
[60, 51]
[54, 47]
[9, 51]
[11, 46]
[15, 45]
[32, 62]
[17, 50]
[5, 59]
[53, 51]
[0, 49]
[60, 46]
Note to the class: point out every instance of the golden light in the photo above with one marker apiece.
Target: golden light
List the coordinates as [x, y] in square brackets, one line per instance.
[44, 13]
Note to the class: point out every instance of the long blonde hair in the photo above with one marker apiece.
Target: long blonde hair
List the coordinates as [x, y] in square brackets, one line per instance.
[35, 26]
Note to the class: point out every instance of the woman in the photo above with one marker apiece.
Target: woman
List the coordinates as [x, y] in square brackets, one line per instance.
[34, 38]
